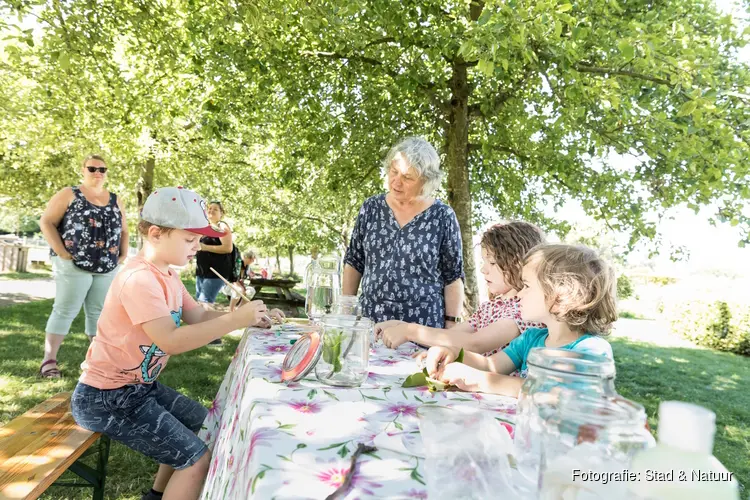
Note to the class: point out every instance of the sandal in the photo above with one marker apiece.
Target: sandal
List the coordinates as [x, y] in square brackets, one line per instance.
[51, 372]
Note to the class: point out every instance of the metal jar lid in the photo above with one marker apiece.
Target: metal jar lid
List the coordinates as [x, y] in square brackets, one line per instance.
[302, 357]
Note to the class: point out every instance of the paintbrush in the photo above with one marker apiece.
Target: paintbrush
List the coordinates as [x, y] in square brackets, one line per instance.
[236, 289]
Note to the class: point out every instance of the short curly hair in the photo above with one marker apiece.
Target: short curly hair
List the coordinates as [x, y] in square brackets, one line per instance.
[508, 243]
[422, 156]
[579, 284]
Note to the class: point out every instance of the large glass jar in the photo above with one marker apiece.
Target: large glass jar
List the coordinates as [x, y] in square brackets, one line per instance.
[550, 373]
[323, 288]
[592, 434]
[344, 360]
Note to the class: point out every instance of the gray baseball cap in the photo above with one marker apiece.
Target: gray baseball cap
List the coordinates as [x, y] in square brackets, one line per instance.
[178, 208]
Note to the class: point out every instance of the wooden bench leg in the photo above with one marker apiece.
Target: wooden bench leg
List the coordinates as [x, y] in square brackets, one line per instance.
[94, 477]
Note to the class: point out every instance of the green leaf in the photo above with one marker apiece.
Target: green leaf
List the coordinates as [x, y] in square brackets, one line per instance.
[64, 60]
[311, 394]
[335, 445]
[486, 66]
[460, 357]
[330, 395]
[564, 8]
[418, 379]
[687, 108]
[627, 50]
[343, 452]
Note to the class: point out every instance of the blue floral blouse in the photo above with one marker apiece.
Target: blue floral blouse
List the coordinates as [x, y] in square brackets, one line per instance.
[405, 269]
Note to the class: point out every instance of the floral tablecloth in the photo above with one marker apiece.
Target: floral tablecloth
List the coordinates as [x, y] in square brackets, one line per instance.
[272, 440]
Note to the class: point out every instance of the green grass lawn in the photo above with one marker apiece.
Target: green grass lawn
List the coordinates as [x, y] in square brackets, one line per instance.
[645, 373]
[35, 275]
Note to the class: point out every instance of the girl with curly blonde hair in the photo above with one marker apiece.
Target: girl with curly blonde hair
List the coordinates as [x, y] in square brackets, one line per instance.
[568, 288]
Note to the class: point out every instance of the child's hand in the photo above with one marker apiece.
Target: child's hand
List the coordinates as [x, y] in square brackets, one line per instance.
[379, 327]
[251, 313]
[438, 357]
[396, 335]
[275, 315]
[462, 376]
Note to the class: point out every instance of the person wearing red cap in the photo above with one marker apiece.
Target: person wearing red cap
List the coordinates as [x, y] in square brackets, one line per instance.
[139, 329]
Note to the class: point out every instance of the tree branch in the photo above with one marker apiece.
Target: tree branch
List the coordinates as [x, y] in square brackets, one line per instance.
[584, 68]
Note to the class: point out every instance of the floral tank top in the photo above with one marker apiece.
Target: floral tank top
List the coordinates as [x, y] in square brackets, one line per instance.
[92, 233]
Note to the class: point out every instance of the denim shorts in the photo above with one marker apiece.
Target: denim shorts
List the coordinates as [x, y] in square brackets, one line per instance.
[151, 419]
[206, 289]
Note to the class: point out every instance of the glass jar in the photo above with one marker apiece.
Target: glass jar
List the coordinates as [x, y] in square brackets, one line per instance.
[591, 433]
[323, 288]
[344, 360]
[347, 305]
[551, 372]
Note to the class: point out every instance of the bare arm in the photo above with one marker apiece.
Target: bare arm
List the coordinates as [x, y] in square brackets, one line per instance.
[454, 298]
[199, 315]
[226, 243]
[52, 217]
[351, 280]
[124, 235]
[485, 339]
[175, 340]
[493, 379]
[495, 383]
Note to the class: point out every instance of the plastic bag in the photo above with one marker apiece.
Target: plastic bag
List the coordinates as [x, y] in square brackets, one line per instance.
[467, 454]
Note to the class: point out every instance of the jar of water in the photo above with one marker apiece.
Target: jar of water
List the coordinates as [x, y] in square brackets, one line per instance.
[344, 360]
[551, 372]
[323, 288]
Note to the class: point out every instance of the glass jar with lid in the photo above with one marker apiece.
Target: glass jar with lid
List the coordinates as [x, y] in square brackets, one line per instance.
[345, 353]
[323, 287]
[591, 433]
[550, 372]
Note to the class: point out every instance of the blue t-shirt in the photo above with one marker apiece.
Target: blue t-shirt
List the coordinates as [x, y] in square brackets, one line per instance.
[519, 348]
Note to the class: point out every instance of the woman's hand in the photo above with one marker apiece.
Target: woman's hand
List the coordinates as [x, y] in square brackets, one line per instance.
[379, 327]
[65, 256]
[396, 335]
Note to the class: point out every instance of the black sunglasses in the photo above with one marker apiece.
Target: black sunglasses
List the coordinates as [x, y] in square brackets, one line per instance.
[101, 170]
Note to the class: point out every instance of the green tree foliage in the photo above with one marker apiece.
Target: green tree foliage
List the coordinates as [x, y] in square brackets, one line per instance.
[624, 287]
[285, 109]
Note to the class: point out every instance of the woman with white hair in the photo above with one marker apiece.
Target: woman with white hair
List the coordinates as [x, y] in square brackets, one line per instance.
[406, 245]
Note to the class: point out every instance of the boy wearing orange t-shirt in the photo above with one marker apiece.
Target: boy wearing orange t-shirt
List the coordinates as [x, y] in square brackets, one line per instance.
[138, 330]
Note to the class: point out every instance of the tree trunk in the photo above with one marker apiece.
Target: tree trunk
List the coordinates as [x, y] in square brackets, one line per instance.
[457, 162]
[291, 258]
[145, 186]
[278, 261]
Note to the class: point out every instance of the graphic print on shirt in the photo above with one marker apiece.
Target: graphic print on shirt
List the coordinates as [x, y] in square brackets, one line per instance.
[152, 354]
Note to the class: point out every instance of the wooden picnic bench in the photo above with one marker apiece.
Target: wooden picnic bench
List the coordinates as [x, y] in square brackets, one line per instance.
[38, 446]
[280, 295]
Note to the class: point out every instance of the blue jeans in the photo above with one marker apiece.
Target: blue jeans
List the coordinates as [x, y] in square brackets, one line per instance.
[75, 288]
[151, 419]
[206, 289]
